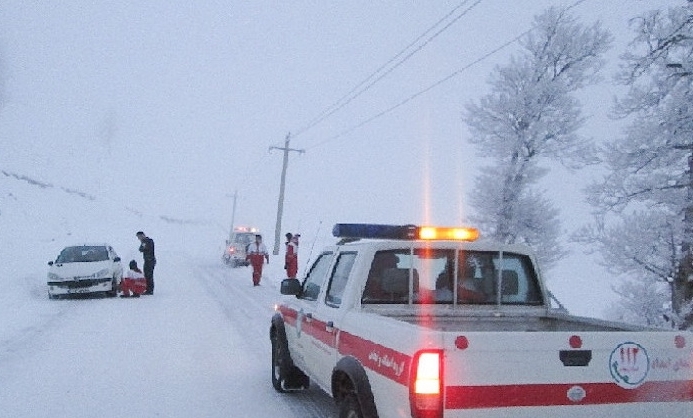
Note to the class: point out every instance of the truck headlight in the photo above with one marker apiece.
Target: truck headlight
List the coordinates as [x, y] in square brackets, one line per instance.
[53, 277]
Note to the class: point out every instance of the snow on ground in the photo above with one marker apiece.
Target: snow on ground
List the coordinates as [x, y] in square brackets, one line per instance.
[199, 347]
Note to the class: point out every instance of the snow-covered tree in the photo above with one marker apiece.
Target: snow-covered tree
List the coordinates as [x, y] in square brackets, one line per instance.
[532, 114]
[640, 248]
[650, 167]
[642, 302]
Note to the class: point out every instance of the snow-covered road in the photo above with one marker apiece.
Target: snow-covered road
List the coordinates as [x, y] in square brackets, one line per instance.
[198, 348]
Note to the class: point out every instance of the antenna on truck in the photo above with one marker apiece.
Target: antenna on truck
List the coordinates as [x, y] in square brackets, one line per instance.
[310, 254]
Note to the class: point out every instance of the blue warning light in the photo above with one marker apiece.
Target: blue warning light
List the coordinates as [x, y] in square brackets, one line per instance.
[375, 231]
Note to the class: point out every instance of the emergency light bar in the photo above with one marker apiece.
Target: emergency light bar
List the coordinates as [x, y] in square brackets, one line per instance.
[404, 232]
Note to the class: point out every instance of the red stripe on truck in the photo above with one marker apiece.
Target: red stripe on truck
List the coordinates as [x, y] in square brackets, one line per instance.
[289, 315]
[500, 396]
[382, 360]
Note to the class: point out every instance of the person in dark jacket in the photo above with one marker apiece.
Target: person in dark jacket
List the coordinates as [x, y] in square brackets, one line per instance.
[147, 250]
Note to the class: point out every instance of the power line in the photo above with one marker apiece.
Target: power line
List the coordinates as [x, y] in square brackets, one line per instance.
[436, 84]
[425, 90]
[366, 84]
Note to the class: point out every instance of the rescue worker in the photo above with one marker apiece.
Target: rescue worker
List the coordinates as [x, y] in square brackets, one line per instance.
[291, 257]
[147, 250]
[256, 255]
[133, 281]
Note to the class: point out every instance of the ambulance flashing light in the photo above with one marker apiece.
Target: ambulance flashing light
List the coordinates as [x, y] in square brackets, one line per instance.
[404, 232]
[244, 229]
[456, 234]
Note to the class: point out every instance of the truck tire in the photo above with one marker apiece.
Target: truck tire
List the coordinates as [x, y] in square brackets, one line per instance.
[349, 407]
[349, 380]
[285, 376]
[280, 370]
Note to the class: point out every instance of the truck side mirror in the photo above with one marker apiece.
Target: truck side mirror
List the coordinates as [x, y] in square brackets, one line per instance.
[290, 287]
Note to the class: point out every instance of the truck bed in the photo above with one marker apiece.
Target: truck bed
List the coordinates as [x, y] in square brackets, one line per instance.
[471, 319]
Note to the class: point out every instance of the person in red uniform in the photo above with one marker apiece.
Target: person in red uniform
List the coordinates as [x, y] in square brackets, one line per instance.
[291, 257]
[133, 282]
[256, 253]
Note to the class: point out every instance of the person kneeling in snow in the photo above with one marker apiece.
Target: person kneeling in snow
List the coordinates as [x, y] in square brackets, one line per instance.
[133, 281]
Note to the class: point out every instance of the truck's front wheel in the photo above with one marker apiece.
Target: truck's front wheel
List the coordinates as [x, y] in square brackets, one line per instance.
[349, 407]
[278, 368]
[285, 376]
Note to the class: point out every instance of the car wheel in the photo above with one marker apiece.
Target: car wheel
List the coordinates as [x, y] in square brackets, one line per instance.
[349, 407]
[114, 289]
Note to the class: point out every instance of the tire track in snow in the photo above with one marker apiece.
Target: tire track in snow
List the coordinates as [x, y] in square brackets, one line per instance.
[27, 337]
[251, 308]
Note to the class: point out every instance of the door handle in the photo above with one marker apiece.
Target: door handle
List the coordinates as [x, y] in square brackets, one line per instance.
[309, 317]
[329, 326]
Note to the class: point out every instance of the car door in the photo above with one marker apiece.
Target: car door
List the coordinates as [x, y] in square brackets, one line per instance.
[303, 308]
[324, 324]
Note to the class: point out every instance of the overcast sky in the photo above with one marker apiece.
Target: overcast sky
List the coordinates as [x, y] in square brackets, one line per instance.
[170, 106]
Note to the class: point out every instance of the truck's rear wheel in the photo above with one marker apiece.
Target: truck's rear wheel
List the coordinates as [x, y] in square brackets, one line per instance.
[349, 407]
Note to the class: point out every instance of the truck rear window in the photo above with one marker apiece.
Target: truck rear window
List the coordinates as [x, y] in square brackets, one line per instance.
[442, 276]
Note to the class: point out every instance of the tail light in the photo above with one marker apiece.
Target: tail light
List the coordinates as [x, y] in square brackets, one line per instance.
[426, 386]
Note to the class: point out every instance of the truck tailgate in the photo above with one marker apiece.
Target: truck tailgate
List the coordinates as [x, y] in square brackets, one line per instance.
[647, 373]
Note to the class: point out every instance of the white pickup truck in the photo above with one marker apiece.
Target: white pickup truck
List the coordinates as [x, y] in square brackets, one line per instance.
[405, 321]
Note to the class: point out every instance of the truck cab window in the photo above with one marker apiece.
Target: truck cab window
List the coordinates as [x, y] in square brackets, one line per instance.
[518, 281]
[316, 277]
[442, 276]
[339, 278]
[378, 287]
[434, 278]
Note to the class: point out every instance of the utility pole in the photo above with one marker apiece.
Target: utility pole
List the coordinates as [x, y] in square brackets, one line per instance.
[280, 204]
[233, 212]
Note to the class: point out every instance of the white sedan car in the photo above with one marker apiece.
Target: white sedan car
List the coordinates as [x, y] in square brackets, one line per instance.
[82, 269]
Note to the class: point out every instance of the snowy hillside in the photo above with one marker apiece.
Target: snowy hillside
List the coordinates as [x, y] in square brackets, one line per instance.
[198, 347]
[38, 219]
